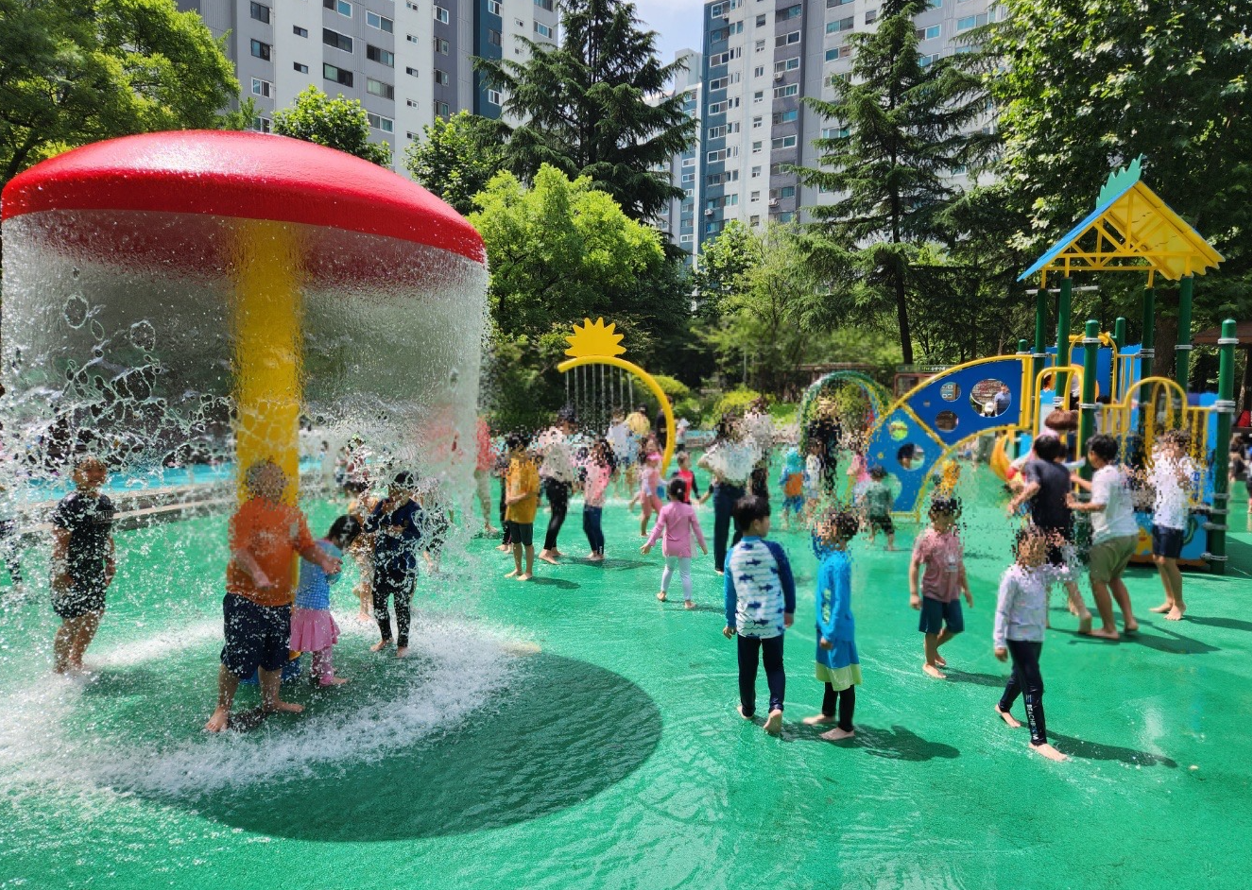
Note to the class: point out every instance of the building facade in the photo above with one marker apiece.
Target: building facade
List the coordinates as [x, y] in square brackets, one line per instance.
[678, 219]
[761, 58]
[407, 61]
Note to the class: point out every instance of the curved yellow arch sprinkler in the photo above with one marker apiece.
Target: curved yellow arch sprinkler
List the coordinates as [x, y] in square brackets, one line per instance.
[597, 344]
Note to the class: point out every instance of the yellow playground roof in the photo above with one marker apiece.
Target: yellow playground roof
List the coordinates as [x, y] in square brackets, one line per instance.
[1131, 230]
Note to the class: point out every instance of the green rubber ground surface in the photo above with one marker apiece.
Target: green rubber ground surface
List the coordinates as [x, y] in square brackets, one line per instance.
[611, 757]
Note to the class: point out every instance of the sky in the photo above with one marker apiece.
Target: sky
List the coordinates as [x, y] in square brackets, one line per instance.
[677, 23]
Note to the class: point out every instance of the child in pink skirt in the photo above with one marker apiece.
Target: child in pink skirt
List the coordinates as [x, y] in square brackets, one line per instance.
[649, 483]
[677, 520]
[312, 627]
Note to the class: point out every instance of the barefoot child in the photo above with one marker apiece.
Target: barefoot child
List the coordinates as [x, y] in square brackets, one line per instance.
[313, 628]
[599, 472]
[878, 501]
[521, 503]
[684, 473]
[1020, 611]
[792, 481]
[265, 535]
[760, 606]
[649, 482]
[1171, 478]
[1114, 533]
[837, 664]
[677, 520]
[942, 584]
[397, 523]
[82, 563]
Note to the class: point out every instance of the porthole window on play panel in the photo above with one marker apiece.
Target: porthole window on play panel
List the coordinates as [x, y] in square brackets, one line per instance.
[950, 392]
[910, 456]
[946, 421]
[990, 397]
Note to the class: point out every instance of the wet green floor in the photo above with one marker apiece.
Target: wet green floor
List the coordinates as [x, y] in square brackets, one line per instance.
[612, 758]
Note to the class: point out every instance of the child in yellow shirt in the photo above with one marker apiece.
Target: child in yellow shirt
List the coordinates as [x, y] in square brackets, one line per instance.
[521, 501]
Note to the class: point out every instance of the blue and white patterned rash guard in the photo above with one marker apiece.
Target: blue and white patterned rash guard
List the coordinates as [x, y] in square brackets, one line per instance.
[759, 588]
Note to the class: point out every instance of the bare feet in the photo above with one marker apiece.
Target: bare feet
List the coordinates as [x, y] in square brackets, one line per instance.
[739, 708]
[661, 596]
[1049, 752]
[1008, 718]
[773, 723]
[931, 671]
[688, 604]
[941, 661]
[287, 707]
[525, 576]
[1104, 634]
[1084, 624]
[817, 720]
[1176, 613]
[219, 721]
[512, 574]
[380, 645]
[504, 548]
[548, 556]
[492, 531]
[1131, 628]
[1162, 608]
[402, 651]
[838, 735]
[333, 681]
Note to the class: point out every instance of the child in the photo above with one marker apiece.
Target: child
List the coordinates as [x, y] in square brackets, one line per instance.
[521, 504]
[813, 470]
[82, 563]
[599, 472]
[397, 524]
[878, 503]
[837, 664]
[1020, 611]
[265, 535]
[684, 473]
[942, 584]
[485, 459]
[858, 474]
[678, 520]
[362, 548]
[313, 629]
[1114, 533]
[760, 606]
[649, 482]
[1171, 478]
[792, 482]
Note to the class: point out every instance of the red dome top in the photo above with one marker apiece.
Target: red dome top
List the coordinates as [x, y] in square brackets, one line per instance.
[242, 175]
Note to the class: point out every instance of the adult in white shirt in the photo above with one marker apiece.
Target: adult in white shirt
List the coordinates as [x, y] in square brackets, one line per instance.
[558, 474]
[1114, 534]
[730, 459]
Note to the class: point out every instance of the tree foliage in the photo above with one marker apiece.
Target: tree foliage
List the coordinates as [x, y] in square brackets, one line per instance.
[336, 123]
[457, 157]
[907, 127]
[725, 263]
[78, 71]
[594, 106]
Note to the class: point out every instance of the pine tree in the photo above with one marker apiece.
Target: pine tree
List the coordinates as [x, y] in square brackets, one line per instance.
[595, 106]
[906, 130]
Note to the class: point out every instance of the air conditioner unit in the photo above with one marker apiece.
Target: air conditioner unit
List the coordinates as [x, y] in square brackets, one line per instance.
[778, 75]
[709, 212]
[773, 202]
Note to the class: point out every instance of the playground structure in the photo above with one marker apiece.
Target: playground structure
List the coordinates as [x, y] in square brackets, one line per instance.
[1130, 230]
[876, 395]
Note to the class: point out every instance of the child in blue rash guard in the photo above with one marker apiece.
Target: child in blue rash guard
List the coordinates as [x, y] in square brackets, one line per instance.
[313, 628]
[760, 606]
[838, 666]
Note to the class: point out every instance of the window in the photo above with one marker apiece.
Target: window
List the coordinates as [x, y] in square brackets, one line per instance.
[785, 117]
[787, 191]
[262, 88]
[755, 220]
[688, 177]
[787, 65]
[493, 7]
[716, 132]
[378, 122]
[717, 84]
[756, 147]
[299, 32]
[544, 4]
[343, 7]
[839, 52]
[836, 132]
[972, 21]
[685, 239]
[935, 4]
[380, 55]
[719, 35]
[832, 4]
[932, 32]
[543, 30]
[411, 5]
[441, 45]
[792, 12]
[442, 77]
[755, 196]
[411, 38]
[337, 40]
[381, 22]
[412, 103]
[736, 28]
[758, 96]
[689, 162]
[789, 39]
[338, 75]
[262, 125]
[791, 89]
[303, 69]
[261, 50]
[412, 72]
[756, 123]
[441, 109]
[380, 89]
[259, 12]
[732, 200]
[760, 46]
[760, 21]
[930, 59]
[493, 37]
[716, 10]
[758, 71]
[756, 171]
[441, 15]
[871, 16]
[786, 217]
[783, 142]
[838, 27]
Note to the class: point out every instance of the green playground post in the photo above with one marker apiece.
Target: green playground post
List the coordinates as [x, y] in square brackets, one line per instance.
[1119, 343]
[1119, 333]
[1063, 353]
[1225, 408]
[1086, 420]
[1147, 349]
[1182, 348]
[1040, 354]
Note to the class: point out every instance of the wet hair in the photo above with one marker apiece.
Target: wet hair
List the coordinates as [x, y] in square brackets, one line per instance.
[844, 523]
[878, 474]
[682, 456]
[726, 426]
[1181, 438]
[405, 479]
[89, 463]
[1030, 530]
[356, 486]
[678, 489]
[344, 530]
[1048, 448]
[1103, 447]
[748, 509]
[944, 505]
[253, 476]
[566, 414]
[516, 440]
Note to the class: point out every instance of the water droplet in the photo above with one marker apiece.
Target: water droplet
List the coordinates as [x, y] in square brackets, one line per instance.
[76, 311]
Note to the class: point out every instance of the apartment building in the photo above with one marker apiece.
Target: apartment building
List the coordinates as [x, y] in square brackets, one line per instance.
[761, 57]
[408, 61]
[678, 219]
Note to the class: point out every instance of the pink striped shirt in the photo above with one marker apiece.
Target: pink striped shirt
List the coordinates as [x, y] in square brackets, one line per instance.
[678, 521]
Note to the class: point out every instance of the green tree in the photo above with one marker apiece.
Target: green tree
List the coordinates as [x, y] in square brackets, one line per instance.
[1085, 88]
[591, 107]
[907, 129]
[457, 157]
[336, 123]
[78, 71]
[723, 267]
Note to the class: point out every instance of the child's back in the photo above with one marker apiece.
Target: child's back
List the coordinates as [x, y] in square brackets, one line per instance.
[878, 499]
[313, 590]
[758, 578]
[678, 521]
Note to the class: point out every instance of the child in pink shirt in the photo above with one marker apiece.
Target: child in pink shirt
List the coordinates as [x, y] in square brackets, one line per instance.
[599, 472]
[678, 520]
[649, 484]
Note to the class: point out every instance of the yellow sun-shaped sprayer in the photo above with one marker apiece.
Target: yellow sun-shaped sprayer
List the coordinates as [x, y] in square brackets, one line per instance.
[594, 338]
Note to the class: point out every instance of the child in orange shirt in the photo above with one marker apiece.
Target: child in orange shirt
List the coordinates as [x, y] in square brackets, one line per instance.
[521, 504]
